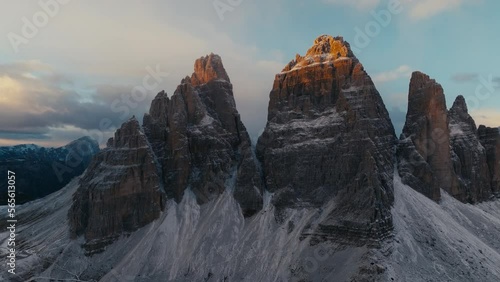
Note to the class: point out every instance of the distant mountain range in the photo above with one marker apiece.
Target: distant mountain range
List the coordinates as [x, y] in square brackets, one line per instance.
[41, 171]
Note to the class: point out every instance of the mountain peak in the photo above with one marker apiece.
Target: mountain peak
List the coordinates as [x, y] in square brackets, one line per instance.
[420, 80]
[460, 104]
[85, 144]
[208, 68]
[129, 135]
[161, 95]
[326, 49]
[427, 121]
[329, 45]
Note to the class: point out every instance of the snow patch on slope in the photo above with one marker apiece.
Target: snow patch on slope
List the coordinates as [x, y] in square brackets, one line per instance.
[456, 129]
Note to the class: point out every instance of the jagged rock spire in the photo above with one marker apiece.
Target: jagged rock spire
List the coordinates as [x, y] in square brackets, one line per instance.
[460, 105]
[208, 68]
[424, 151]
[119, 192]
[325, 121]
[199, 138]
[468, 155]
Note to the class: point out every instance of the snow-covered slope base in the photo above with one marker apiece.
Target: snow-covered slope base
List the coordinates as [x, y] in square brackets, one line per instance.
[42, 233]
[450, 241]
[213, 242]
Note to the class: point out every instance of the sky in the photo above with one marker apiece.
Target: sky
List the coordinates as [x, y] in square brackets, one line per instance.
[70, 68]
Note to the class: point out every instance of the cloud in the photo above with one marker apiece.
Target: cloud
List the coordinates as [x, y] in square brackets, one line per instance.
[35, 104]
[403, 71]
[416, 9]
[464, 77]
[108, 56]
[358, 4]
[58, 137]
[423, 9]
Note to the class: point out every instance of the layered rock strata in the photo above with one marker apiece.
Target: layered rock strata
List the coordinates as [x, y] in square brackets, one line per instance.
[329, 138]
[490, 139]
[194, 141]
[468, 155]
[200, 140]
[120, 191]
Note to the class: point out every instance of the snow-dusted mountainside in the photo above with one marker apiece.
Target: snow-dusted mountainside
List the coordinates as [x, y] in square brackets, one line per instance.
[450, 241]
[42, 171]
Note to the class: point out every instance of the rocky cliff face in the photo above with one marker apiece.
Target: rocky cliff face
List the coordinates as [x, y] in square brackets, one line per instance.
[119, 192]
[200, 139]
[42, 171]
[490, 138]
[424, 151]
[329, 137]
[468, 155]
[444, 149]
[194, 140]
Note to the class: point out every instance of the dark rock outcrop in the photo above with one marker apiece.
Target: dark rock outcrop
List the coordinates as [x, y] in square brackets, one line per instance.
[490, 138]
[329, 137]
[200, 140]
[468, 155]
[424, 155]
[120, 190]
[41, 171]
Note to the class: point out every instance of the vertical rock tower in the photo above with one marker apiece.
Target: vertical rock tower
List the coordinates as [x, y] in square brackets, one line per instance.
[120, 191]
[490, 138]
[200, 140]
[468, 155]
[424, 151]
[329, 138]
[441, 149]
[194, 140]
